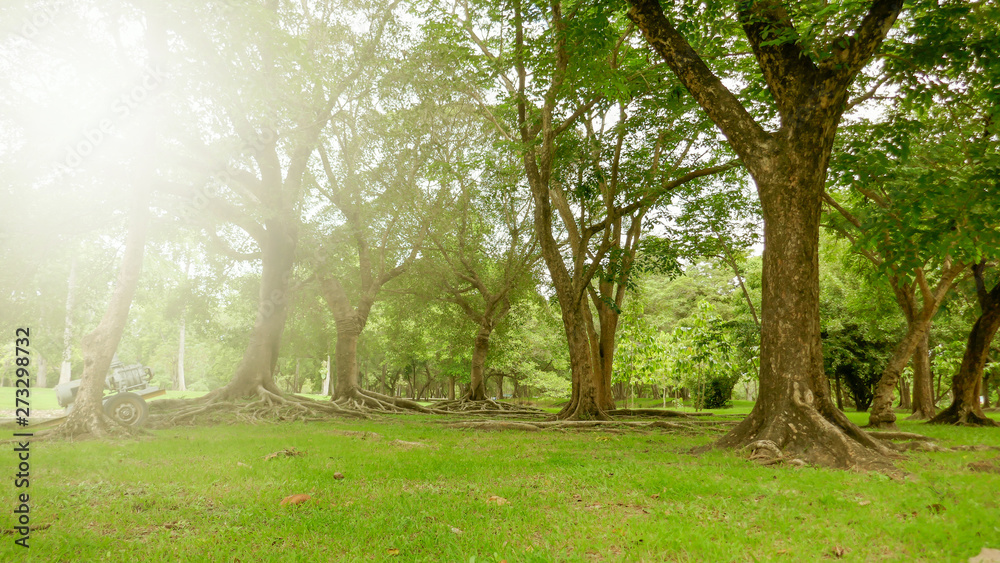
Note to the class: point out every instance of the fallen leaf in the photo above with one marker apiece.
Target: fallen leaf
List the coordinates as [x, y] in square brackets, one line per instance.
[839, 551]
[936, 508]
[295, 499]
[498, 500]
[338, 475]
[456, 531]
[987, 555]
[864, 502]
[394, 552]
[654, 496]
[241, 464]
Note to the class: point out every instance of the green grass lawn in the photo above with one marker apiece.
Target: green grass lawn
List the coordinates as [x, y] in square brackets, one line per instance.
[208, 494]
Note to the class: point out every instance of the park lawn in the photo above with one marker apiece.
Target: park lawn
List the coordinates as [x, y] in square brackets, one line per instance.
[208, 494]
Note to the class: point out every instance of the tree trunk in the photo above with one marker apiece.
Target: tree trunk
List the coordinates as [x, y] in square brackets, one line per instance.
[794, 410]
[904, 393]
[256, 368]
[923, 401]
[840, 393]
[99, 346]
[181, 384]
[477, 386]
[882, 413]
[65, 371]
[499, 386]
[583, 402]
[965, 408]
[604, 359]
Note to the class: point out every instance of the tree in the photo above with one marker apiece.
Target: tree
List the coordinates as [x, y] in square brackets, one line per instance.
[966, 385]
[577, 111]
[808, 69]
[491, 257]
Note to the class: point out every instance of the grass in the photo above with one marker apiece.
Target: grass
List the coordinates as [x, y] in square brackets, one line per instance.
[207, 494]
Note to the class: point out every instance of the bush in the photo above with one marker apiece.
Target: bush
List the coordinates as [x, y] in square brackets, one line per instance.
[718, 393]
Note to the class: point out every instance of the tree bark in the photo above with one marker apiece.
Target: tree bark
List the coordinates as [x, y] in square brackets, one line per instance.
[99, 346]
[965, 385]
[882, 413]
[477, 386]
[256, 368]
[923, 401]
[65, 371]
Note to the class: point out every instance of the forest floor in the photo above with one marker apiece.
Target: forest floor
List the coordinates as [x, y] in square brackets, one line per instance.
[408, 488]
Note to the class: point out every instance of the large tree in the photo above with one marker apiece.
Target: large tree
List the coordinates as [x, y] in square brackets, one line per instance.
[808, 63]
[575, 106]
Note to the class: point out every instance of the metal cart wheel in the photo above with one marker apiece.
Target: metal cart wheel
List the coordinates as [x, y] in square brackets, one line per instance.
[127, 409]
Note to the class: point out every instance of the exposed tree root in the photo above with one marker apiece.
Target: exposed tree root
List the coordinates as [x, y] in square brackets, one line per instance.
[798, 430]
[532, 426]
[486, 406]
[901, 436]
[654, 412]
[268, 406]
[962, 417]
[360, 400]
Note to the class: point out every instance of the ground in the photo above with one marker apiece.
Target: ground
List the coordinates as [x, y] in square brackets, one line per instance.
[416, 490]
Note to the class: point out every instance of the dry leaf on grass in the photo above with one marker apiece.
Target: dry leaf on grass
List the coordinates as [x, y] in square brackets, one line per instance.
[456, 531]
[295, 499]
[498, 500]
[392, 551]
[288, 452]
[338, 475]
[241, 464]
[839, 551]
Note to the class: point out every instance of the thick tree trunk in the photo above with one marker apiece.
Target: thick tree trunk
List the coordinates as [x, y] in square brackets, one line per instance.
[65, 371]
[923, 401]
[604, 360]
[256, 368]
[965, 386]
[99, 346]
[882, 413]
[583, 404]
[477, 386]
[347, 359]
[451, 388]
[794, 410]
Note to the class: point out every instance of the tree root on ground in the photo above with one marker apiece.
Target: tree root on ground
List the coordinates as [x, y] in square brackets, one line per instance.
[268, 406]
[901, 436]
[362, 401]
[532, 426]
[655, 412]
[486, 406]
